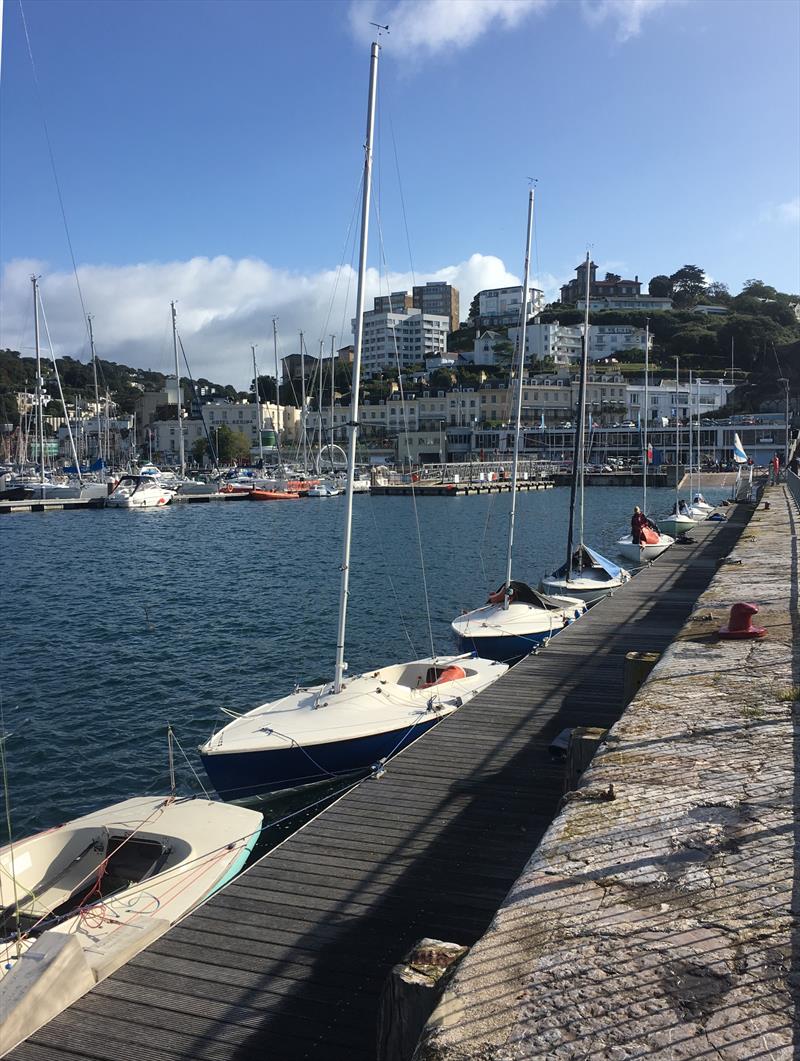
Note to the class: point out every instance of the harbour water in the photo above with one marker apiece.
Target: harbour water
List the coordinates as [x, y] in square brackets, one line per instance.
[116, 622]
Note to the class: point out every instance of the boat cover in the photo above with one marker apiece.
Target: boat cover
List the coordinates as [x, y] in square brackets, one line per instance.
[525, 594]
[584, 558]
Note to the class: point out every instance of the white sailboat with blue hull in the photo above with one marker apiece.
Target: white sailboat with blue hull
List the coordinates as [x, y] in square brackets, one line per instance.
[516, 619]
[585, 573]
[343, 726]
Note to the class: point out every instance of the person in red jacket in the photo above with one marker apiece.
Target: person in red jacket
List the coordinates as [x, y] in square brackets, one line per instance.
[638, 522]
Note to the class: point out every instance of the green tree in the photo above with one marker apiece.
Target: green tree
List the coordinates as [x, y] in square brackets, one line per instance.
[475, 308]
[758, 289]
[199, 449]
[719, 293]
[231, 445]
[689, 285]
[660, 286]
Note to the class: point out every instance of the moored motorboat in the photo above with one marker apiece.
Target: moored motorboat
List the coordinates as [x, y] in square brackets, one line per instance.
[139, 491]
[509, 633]
[80, 900]
[272, 495]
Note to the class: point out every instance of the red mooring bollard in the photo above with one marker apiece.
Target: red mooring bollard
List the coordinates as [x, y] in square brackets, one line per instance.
[740, 626]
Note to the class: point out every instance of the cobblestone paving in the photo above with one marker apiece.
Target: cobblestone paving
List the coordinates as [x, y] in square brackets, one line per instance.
[662, 923]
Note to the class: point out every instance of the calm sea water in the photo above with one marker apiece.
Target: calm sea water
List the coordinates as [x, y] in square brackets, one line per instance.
[116, 623]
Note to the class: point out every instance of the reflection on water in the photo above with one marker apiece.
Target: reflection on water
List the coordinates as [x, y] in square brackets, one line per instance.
[116, 623]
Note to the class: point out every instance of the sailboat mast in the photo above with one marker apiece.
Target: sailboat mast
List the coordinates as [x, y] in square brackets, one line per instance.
[258, 409]
[646, 412]
[303, 402]
[181, 455]
[333, 344]
[352, 427]
[277, 396]
[577, 456]
[677, 430]
[89, 319]
[39, 409]
[518, 418]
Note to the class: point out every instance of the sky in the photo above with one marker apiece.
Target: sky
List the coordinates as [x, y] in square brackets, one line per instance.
[211, 152]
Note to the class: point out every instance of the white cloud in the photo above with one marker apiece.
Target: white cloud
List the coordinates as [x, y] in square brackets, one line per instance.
[223, 306]
[426, 27]
[626, 15]
[787, 213]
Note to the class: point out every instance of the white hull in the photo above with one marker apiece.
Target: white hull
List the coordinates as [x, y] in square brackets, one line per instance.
[586, 586]
[507, 633]
[641, 554]
[677, 525]
[73, 884]
[139, 491]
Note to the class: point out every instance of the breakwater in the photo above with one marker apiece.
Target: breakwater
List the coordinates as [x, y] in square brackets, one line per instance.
[662, 922]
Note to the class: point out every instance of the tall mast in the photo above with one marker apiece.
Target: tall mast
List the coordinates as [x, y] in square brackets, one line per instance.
[577, 456]
[677, 430]
[518, 422]
[89, 320]
[39, 409]
[333, 395]
[352, 427]
[258, 409]
[277, 395]
[303, 402]
[691, 441]
[320, 403]
[181, 455]
[646, 412]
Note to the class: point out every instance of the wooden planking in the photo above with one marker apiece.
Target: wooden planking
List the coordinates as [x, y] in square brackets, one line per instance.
[289, 960]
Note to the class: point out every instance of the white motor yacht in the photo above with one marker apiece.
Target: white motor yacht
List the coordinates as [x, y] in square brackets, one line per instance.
[140, 491]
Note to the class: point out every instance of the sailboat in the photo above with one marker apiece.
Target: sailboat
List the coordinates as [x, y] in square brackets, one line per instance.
[516, 619]
[346, 725]
[585, 573]
[680, 519]
[80, 900]
[652, 543]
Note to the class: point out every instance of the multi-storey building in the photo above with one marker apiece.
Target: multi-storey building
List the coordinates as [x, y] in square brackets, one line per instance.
[612, 287]
[706, 394]
[401, 339]
[238, 416]
[438, 298]
[397, 302]
[502, 306]
[605, 340]
[561, 342]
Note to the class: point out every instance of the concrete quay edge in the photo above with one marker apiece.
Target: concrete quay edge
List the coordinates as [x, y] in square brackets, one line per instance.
[662, 923]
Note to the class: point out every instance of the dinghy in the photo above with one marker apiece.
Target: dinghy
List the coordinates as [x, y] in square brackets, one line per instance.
[516, 619]
[590, 576]
[508, 633]
[349, 724]
[651, 545]
[80, 900]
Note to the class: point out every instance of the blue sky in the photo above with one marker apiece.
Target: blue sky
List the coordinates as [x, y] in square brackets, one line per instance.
[211, 152]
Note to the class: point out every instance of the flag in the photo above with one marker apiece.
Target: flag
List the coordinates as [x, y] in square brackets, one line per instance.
[739, 455]
[649, 452]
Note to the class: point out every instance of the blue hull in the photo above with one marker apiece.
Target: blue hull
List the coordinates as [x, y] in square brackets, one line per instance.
[503, 649]
[239, 775]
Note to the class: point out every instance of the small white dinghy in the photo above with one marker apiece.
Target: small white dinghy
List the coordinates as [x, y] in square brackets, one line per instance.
[80, 900]
[679, 521]
[591, 577]
[650, 546]
[508, 634]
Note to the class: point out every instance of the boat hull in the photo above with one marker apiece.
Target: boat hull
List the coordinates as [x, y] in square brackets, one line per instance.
[242, 775]
[676, 525]
[642, 554]
[509, 649]
[588, 590]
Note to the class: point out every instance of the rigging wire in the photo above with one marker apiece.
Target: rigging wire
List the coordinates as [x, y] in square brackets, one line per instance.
[53, 163]
[60, 390]
[404, 415]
